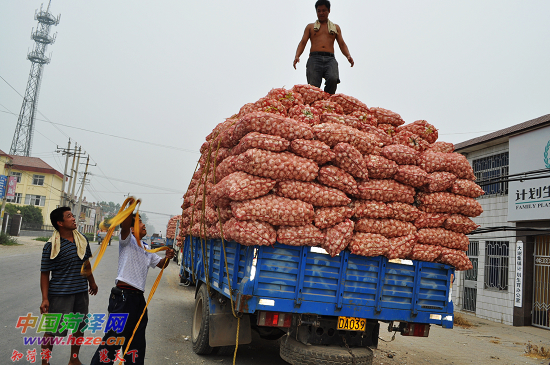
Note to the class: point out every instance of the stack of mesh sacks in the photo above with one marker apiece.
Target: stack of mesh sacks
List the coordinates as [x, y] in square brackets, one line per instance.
[171, 229]
[303, 167]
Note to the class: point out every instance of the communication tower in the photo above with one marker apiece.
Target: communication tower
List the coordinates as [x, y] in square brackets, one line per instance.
[22, 139]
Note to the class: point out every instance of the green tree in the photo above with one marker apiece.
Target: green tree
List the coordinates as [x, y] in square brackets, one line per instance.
[30, 214]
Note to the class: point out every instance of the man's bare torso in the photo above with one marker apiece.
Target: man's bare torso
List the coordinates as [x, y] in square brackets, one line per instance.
[321, 40]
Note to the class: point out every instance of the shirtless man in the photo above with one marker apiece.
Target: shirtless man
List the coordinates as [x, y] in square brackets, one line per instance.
[321, 62]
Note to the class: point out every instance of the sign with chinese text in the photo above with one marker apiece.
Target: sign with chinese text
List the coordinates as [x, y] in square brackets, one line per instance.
[518, 281]
[3, 183]
[529, 199]
[12, 185]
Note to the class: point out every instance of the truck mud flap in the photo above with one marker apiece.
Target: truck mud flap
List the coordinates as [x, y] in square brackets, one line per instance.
[223, 329]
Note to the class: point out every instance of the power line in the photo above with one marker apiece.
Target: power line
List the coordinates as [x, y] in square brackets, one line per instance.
[135, 183]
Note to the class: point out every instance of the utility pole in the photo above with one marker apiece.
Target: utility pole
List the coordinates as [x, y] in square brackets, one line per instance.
[10, 165]
[75, 176]
[67, 153]
[69, 198]
[79, 205]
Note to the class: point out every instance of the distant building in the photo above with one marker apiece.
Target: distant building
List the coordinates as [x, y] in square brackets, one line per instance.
[510, 279]
[38, 183]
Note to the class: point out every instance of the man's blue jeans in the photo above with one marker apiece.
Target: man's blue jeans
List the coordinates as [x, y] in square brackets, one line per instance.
[322, 65]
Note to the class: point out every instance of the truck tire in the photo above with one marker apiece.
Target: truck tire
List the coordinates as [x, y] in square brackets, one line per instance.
[295, 353]
[201, 324]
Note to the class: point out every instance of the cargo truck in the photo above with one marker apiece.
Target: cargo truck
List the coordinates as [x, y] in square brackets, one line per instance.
[322, 309]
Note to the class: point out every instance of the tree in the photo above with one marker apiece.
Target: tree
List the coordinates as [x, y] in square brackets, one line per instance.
[30, 214]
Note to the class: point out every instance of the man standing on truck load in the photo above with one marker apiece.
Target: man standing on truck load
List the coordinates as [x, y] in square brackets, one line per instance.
[321, 62]
[66, 292]
[127, 296]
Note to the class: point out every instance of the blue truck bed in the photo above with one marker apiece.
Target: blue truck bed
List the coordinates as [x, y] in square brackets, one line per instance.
[298, 280]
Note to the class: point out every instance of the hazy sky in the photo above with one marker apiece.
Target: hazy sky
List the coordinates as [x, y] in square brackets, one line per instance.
[164, 73]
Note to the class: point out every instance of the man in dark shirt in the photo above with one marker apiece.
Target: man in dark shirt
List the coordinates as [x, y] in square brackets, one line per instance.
[66, 291]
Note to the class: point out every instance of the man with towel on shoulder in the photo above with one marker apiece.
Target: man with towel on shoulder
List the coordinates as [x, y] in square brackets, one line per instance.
[66, 291]
[321, 63]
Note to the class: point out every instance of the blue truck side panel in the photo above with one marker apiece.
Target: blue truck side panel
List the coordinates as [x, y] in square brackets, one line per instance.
[297, 280]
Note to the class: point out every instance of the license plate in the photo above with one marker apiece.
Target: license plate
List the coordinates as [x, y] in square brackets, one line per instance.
[351, 324]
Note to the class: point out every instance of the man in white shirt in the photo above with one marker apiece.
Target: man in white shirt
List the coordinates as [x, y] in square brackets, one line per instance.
[127, 296]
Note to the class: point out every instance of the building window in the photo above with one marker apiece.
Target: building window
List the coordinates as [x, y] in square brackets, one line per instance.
[492, 167]
[496, 265]
[36, 200]
[16, 199]
[18, 174]
[38, 180]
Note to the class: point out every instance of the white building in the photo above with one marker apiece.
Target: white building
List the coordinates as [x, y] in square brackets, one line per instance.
[510, 282]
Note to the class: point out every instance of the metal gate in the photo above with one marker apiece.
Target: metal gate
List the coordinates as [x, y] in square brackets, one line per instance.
[541, 290]
[470, 278]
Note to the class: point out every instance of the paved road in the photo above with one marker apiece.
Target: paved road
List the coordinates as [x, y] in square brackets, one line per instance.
[170, 314]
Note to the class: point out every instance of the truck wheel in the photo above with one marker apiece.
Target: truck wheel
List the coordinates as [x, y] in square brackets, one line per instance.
[295, 353]
[201, 324]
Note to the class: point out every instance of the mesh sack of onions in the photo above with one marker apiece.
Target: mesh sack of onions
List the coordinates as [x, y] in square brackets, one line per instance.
[455, 258]
[274, 209]
[467, 188]
[444, 202]
[365, 117]
[287, 97]
[387, 116]
[401, 154]
[380, 167]
[411, 175]
[386, 227]
[411, 140]
[304, 114]
[307, 235]
[332, 134]
[349, 104]
[250, 233]
[330, 216]
[327, 106]
[262, 141]
[444, 147]
[247, 108]
[338, 237]
[314, 150]
[200, 175]
[278, 166]
[270, 105]
[369, 244]
[386, 191]
[403, 212]
[208, 215]
[218, 129]
[273, 124]
[388, 129]
[225, 138]
[341, 119]
[383, 137]
[401, 247]
[427, 253]
[214, 231]
[226, 167]
[337, 178]
[423, 129]
[450, 162]
[225, 214]
[184, 222]
[439, 181]
[459, 223]
[171, 226]
[217, 154]
[443, 237]
[349, 159]
[310, 93]
[371, 209]
[199, 230]
[430, 220]
[241, 186]
[312, 193]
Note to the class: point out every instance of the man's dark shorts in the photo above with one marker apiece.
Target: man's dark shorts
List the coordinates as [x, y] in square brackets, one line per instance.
[323, 65]
[69, 303]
